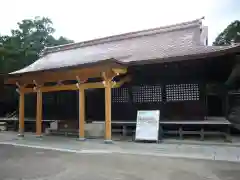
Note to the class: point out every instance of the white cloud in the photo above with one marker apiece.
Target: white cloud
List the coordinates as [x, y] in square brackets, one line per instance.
[87, 19]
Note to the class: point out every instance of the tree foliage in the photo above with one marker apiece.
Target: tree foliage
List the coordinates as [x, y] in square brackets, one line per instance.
[229, 35]
[25, 43]
[21, 48]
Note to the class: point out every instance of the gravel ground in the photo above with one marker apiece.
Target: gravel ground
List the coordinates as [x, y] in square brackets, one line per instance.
[37, 164]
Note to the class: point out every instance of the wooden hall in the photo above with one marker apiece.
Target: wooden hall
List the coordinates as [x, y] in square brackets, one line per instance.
[169, 68]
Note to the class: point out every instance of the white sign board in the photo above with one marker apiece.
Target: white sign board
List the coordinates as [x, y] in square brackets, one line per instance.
[54, 125]
[147, 125]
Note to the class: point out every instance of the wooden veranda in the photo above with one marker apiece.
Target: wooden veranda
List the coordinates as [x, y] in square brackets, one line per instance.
[50, 81]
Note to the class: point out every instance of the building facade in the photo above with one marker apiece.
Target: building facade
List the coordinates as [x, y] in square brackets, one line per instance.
[170, 69]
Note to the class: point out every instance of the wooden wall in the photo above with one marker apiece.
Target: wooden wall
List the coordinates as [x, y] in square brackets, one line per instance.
[177, 89]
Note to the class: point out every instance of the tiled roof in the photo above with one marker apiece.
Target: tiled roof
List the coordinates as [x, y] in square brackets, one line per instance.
[180, 54]
[137, 34]
[162, 44]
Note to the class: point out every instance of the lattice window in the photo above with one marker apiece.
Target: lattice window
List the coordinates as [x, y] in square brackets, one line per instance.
[120, 95]
[182, 92]
[147, 94]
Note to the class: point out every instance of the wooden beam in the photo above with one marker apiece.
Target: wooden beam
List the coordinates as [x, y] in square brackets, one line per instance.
[119, 70]
[21, 113]
[55, 76]
[28, 90]
[108, 75]
[73, 87]
[81, 114]
[69, 87]
[122, 81]
[108, 128]
[39, 114]
[92, 85]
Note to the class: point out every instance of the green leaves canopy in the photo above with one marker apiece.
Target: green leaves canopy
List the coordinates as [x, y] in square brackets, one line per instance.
[230, 35]
[25, 43]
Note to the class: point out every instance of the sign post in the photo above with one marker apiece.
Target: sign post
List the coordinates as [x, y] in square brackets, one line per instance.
[147, 125]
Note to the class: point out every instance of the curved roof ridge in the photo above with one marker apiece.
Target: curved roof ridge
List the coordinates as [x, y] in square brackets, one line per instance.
[168, 28]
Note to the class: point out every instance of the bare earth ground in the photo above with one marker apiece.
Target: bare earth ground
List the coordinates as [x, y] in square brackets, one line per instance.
[38, 164]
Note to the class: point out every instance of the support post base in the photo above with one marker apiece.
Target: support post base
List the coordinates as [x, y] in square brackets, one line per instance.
[108, 141]
[39, 136]
[20, 135]
[81, 139]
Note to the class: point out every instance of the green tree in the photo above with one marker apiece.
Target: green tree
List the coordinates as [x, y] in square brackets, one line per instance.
[25, 43]
[22, 47]
[229, 35]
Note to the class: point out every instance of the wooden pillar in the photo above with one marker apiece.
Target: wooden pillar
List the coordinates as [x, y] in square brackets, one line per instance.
[81, 114]
[39, 114]
[21, 114]
[108, 127]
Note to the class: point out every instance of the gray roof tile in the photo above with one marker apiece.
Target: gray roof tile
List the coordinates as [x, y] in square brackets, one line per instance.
[159, 43]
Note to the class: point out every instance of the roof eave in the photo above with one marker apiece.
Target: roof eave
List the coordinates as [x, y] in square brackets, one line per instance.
[110, 61]
[186, 57]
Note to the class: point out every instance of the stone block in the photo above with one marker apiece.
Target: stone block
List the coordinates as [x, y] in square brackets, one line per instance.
[94, 130]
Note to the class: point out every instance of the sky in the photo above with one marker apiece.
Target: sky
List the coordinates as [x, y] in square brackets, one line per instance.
[81, 20]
